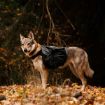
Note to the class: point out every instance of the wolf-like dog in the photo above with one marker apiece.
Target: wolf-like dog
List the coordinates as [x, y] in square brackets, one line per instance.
[77, 60]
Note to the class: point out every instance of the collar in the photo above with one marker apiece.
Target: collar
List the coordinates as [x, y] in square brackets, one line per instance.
[37, 54]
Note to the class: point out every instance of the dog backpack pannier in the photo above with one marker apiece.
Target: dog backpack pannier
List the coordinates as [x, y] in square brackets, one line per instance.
[53, 57]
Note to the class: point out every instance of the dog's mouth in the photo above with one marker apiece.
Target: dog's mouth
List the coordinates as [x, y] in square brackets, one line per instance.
[31, 52]
[27, 51]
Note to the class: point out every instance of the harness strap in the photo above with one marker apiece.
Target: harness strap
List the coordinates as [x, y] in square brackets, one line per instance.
[37, 54]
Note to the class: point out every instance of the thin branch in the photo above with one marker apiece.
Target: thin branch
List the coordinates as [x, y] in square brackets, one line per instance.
[52, 26]
[68, 20]
[51, 20]
[40, 19]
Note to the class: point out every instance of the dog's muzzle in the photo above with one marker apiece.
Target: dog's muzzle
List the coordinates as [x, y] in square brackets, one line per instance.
[25, 50]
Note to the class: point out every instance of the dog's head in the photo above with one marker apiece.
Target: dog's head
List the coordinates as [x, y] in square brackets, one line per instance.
[28, 44]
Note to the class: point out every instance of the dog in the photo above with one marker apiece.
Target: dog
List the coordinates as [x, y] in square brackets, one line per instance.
[76, 59]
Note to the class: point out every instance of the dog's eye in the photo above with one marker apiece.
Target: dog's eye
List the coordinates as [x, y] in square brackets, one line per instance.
[22, 44]
[29, 44]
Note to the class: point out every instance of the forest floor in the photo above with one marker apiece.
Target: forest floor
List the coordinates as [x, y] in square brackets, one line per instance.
[30, 94]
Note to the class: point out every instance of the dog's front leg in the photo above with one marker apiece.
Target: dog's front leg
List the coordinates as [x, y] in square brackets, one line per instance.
[44, 78]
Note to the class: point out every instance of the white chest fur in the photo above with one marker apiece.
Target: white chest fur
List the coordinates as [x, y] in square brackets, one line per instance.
[38, 64]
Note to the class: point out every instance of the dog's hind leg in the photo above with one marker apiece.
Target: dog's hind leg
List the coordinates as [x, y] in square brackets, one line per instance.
[72, 68]
[83, 80]
[44, 78]
[81, 75]
[78, 72]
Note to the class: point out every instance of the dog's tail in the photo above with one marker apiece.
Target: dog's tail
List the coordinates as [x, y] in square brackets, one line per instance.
[88, 71]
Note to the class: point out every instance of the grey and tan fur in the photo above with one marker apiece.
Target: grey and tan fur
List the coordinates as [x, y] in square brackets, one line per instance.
[77, 60]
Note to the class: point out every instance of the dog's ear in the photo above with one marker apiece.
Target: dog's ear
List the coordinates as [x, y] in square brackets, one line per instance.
[21, 37]
[31, 35]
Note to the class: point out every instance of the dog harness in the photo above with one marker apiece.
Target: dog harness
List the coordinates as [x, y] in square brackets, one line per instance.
[52, 56]
[37, 54]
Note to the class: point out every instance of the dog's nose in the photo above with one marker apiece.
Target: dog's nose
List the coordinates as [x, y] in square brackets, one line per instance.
[25, 50]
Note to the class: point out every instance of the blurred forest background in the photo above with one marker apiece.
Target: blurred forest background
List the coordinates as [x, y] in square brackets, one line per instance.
[55, 22]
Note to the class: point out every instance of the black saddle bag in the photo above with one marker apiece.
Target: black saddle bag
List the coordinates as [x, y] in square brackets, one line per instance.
[53, 57]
